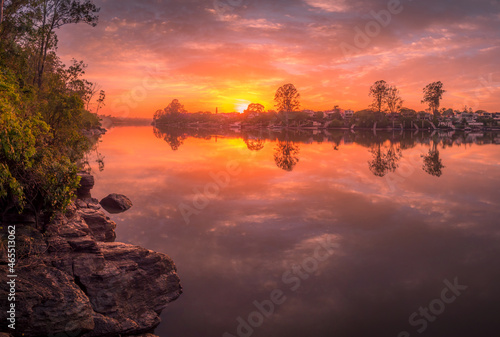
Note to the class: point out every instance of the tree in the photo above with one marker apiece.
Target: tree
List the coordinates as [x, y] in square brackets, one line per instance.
[433, 93]
[287, 99]
[173, 113]
[52, 14]
[35, 174]
[379, 92]
[255, 107]
[175, 108]
[1, 12]
[393, 99]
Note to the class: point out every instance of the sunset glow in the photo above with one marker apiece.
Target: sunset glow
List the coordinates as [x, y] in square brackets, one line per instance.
[224, 54]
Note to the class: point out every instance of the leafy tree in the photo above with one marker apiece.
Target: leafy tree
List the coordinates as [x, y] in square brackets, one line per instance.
[393, 99]
[433, 93]
[379, 91]
[173, 113]
[287, 99]
[35, 175]
[319, 115]
[255, 107]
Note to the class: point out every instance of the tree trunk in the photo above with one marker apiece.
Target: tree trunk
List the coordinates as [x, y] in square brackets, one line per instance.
[1, 12]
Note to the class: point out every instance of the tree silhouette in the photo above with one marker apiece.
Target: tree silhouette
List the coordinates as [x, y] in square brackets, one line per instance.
[433, 93]
[286, 155]
[287, 99]
[255, 107]
[393, 99]
[49, 15]
[379, 92]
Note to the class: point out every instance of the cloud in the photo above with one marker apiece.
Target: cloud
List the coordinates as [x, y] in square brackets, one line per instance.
[244, 42]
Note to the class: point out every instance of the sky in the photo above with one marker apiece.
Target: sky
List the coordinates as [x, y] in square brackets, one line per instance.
[227, 54]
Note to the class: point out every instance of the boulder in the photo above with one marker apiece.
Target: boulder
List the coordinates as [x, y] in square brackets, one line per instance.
[116, 203]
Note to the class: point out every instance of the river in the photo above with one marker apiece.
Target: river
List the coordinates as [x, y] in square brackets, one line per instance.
[315, 233]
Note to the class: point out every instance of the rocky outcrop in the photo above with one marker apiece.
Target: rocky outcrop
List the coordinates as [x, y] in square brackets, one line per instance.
[116, 203]
[86, 184]
[73, 281]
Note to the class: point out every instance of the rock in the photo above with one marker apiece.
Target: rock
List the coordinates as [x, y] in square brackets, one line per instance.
[3, 334]
[133, 287]
[86, 184]
[116, 203]
[77, 286]
[102, 228]
[48, 303]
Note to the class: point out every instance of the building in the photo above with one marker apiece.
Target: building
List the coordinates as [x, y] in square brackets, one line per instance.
[346, 114]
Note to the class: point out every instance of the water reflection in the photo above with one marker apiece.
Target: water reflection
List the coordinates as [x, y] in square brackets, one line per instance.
[399, 236]
[286, 155]
[432, 161]
[386, 148]
[255, 144]
[384, 160]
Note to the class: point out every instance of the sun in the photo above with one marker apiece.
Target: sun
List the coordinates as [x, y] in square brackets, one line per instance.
[242, 105]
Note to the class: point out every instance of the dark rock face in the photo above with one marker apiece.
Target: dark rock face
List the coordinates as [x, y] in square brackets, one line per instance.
[49, 301]
[116, 203]
[86, 184]
[73, 281]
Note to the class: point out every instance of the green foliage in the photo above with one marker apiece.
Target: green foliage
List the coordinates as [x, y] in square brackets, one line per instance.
[32, 172]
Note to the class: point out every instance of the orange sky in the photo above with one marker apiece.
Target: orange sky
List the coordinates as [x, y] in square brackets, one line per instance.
[229, 53]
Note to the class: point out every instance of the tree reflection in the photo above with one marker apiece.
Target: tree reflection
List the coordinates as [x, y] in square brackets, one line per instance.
[254, 144]
[286, 155]
[432, 162]
[174, 137]
[384, 162]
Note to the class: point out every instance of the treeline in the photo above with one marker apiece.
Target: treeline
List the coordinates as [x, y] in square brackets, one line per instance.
[386, 110]
[44, 107]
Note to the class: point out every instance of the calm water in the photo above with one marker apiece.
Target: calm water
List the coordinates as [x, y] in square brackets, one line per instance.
[349, 234]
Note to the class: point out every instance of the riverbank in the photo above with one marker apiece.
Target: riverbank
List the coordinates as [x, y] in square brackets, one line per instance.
[72, 279]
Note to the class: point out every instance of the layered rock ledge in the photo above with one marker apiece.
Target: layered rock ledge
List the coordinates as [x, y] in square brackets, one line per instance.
[73, 280]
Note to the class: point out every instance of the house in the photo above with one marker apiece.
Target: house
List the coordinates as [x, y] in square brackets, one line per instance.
[468, 116]
[309, 113]
[346, 114]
